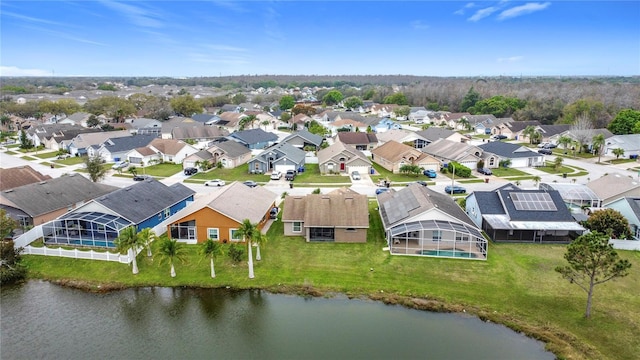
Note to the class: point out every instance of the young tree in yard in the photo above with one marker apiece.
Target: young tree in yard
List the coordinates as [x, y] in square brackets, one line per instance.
[129, 241]
[147, 236]
[592, 261]
[94, 167]
[247, 231]
[610, 222]
[529, 132]
[557, 162]
[564, 141]
[352, 102]
[211, 249]
[25, 143]
[410, 169]
[11, 268]
[618, 152]
[333, 97]
[170, 250]
[259, 239]
[536, 180]
[287, 102]
[597, 143]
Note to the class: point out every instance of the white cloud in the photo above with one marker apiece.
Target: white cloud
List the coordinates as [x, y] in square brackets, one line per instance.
[136, 15]
[32, 19]
[16, 71]
[510, 59]
[461, 11]
[527, 8]
[419, 25]
[483, 13]
[226, 48]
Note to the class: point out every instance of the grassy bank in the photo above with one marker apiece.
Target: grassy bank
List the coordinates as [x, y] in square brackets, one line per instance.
[516, 286]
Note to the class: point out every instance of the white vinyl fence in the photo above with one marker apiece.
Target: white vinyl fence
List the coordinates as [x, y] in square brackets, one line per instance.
[77, 254]
[625, 244]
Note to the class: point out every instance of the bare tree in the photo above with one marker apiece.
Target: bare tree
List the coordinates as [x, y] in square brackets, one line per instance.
[582, 130]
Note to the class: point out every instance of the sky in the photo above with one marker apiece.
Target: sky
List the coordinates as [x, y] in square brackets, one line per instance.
[224, 38]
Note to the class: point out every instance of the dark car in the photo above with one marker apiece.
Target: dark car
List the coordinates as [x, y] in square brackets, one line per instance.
[250, 183]
[273, 213]
[190, 170]
[454, 189]
[430, 173]
[380, 190]
[142, 177]
[500, 137]
[545, 151]
[485, 171]
[290, 175]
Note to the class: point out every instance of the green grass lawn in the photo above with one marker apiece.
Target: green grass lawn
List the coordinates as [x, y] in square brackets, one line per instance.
[384, 174]
[240, 173]
[516, 286]
[74, 160]
[507, 171]
[46, 155]
[158, 170]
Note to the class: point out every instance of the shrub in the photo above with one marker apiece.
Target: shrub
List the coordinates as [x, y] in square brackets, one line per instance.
[461, 170]
[236, 252]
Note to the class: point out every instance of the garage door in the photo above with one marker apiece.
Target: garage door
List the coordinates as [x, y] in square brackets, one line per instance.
[283, 168]
[360, 169]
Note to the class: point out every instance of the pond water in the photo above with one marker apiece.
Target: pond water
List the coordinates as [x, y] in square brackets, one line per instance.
[41, 320]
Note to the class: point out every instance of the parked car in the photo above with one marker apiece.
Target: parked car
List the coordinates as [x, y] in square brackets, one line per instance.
[500, 137]
[276, 175]
[215, 182]
[551, 146]
[250, 183]
[485, 171]
[455, 189]
[273, 213]
[380, 190]
[430, 173]
[290, 175]
[120, 165]
[543, 145]
[421, 182]
[355, 175]
[545, 151]
[64, 156]
[190, 170]
[142, 177]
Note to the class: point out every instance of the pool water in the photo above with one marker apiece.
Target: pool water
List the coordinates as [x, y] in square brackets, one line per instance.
[449, 253]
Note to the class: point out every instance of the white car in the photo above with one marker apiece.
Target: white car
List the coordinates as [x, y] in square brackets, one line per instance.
[355, 175]
[120, 165]
[276, 175]
[215, 182]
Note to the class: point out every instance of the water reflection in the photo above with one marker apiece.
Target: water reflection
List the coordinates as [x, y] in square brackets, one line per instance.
[167, 323]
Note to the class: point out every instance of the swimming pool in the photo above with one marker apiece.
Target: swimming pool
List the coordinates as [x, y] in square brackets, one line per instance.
[449, 253]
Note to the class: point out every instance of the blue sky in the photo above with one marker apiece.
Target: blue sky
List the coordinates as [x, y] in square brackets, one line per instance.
[213, 38]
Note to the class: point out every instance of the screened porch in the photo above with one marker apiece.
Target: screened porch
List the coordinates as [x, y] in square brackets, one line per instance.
[93, 229]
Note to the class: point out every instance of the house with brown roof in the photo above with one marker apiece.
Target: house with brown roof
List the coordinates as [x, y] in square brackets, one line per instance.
[434, 133]
[446, 151]
[229, 154]
[346, 125]
[614, 186]
[339, 216]
[384, 110]
[359, 140]
[393, 155]
[407, 137]
[231, 120]
[81, 142]
[343, 159]
[513, 129]
[20, 176]
[219, 214]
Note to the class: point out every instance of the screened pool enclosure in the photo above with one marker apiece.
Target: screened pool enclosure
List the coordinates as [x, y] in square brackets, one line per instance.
[437, 238]
[93, 229]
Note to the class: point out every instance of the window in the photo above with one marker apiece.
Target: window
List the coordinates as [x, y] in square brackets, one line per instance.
[297, 226]
[212, 233]
[491, 161]
[462, 237]
[235, 235]
[436, 235]
[350, 229]
[167, 212]
[321, 234]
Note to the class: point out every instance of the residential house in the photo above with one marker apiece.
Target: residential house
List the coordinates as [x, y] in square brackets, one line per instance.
[340, 216]
[514, 129]
[406, 137]
[145, 126]
[550, 131]
[218, 215]
[359, 140]
[163, 150]
[576, 196]
[280, 157]
[630, 144]
[511, 214]
[231, 120]
[341, 158]
[206, 119]
[346, 125]
[629, 207]
[483, 123]
[304, 139]
[520, 156]
[230, 108]
[450, 120]
[422, 222]
[386, 124]
[434, 133]
[418, 114]
[614, 186]
[97, 223]
[116, 149]
[19, 176]
[393, 155]
[582, 136]
[384, 110]
[300, 121]
[52, 135]
[446, 151]
[229, 154]
[79, 118]
[254, 139]
[39, 202]
[80, 143]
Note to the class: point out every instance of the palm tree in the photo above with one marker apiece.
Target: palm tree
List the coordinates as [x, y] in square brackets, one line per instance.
[211, 248]
[259, 239]
[618, 152]
[565, 141]
[465, 123]
[129, 241]
[536, 137]
[147, 236]
[529, 132]
[597, 142]
[536, 180]
[171, 250]
[557, 163]
[248, 231]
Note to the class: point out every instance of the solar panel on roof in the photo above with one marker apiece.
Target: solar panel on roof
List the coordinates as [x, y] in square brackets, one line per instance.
[532, 201]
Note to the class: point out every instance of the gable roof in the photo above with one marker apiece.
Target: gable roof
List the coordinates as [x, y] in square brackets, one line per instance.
[20, 176]
[254, 136]
[356, 138]
[613, 184]
[144, 199]
[507, 150]
[452, 150]
[335, 209]
[231, 148]
[627, 142]
[168, 146]
[394, 151]
[205, 118]
[198, 131]
[550, 130]
[434, 133]
[306, 136]
[128, 142]
[329, 152]
[85, 140]
[516, 126]
[54, 194]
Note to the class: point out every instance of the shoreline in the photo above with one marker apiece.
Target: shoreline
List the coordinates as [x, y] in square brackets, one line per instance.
[557, 342]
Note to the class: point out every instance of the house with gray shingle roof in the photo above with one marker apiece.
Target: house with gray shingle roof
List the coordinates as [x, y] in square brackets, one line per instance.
[419, 221]
[280, 157]
[79, 144]
[229, 154]
[629, 207]
[206, 119]
[164, 150]
[496, 151]
[344, 159]
[340, 216]
[144, 126]
[614, 186]
[359, 140]
[145, 204]
[446, 151]
[513, 129]
[511, 214]
[254, 139]
[39, 202]
[304, 139]
[393, 155]
[629, 143]
[116, 149]
[483, 123]
[218, 215]
[434, 133]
